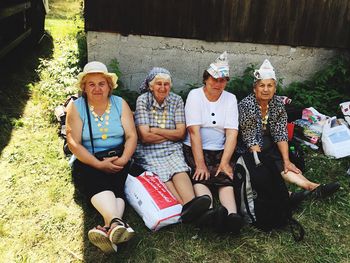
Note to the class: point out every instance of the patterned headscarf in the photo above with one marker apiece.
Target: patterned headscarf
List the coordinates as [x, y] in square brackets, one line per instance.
[144, 87]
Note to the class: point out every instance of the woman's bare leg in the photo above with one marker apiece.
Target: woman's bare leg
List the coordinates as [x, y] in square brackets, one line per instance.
[227, 199]
[183, 186]
[172, 189]
[299, 180]
[201, 189]
[108, 206]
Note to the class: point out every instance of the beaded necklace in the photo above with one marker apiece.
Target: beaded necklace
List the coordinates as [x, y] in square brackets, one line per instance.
[265, 118]
[161, 120]
[99, 119]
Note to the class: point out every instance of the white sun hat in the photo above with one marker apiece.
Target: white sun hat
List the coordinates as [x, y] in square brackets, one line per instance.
[97, 67]
[220, 68]
[266, 71]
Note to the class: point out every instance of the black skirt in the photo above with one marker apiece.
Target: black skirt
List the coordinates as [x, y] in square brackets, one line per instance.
[212, 160]
[91, 181]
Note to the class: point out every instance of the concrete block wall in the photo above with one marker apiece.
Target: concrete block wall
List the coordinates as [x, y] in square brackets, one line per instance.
[186, 59]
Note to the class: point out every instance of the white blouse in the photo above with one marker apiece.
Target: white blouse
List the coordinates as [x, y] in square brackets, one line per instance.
[212, 117]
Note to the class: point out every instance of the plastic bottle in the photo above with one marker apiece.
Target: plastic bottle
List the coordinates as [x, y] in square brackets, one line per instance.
[292, 149]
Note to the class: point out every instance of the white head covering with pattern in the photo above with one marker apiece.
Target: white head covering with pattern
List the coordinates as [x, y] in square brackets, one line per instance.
[220, 68]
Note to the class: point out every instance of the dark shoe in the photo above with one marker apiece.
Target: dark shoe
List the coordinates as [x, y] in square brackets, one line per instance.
[206, 220]
[220, 219]
[195, 208]
[296, 198]
[234, 222]
[325, 190]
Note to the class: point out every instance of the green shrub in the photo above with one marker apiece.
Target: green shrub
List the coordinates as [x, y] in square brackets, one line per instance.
[82, 48]
[243, 85]
[184, 93]
[129, 96]
[325, 90]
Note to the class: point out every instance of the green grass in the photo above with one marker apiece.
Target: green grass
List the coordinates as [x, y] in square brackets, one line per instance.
[43, 219]
[65, 9]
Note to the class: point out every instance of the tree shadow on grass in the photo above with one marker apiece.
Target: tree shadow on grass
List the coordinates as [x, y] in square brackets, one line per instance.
[91, 218]
[18, 71]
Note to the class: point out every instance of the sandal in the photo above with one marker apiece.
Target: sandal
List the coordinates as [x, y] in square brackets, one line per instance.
[325, 190]
[100, 239]
[122, 232]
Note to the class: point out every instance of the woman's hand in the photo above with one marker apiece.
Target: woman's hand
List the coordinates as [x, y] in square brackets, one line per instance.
[201, 173]
[120, 161]
[226, 169]
[289, 166]
[255, 148]
[110, 165]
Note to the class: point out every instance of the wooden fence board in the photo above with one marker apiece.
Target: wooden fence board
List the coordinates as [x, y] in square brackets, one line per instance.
[320, 23]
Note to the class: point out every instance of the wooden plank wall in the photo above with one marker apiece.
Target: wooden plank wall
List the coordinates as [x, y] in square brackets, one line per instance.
[318, 23]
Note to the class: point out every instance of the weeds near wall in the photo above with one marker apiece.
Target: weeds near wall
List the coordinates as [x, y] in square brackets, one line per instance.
[59, 74]
[325, 90]
[129, 96]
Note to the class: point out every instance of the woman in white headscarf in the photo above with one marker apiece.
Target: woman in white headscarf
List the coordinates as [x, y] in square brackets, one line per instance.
[212, 128]
[263, 127]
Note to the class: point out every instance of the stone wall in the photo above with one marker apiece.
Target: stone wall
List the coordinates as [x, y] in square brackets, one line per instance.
[186, 59]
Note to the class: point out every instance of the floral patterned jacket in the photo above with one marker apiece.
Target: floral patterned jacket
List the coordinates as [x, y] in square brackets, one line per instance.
[250, 122]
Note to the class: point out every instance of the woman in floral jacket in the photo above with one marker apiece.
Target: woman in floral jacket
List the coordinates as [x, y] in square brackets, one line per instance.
[263, 128]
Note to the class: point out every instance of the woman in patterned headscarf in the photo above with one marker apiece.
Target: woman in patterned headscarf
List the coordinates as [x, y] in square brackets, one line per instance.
[160, 122]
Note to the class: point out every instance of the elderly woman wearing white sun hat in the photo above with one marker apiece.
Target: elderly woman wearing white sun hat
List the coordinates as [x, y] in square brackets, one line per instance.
[99, 124]
[263, 127]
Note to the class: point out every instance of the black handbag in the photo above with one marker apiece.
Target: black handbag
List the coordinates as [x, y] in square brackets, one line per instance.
[116, 151]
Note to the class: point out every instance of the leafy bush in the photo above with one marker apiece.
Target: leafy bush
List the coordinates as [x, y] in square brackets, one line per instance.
[82, 48]
[184, 93]
[325, 90]
[130, 96]
[58, 74]
[242, 86]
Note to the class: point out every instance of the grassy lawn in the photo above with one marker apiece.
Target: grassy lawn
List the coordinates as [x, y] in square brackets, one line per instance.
[43, 219]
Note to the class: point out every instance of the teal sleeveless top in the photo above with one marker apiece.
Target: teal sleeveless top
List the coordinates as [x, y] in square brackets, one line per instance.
[115, 133]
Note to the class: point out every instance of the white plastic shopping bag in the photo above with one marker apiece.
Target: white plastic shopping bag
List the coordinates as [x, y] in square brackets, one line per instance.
[152, 200]
[335, 139]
